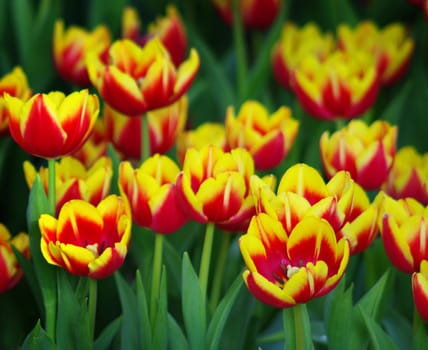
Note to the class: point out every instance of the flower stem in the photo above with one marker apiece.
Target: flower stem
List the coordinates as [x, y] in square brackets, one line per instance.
[297, 328]
[419, 333]
[92, 305]
[218, 275]
[52, 187]
[240, 49]
[145, 138]
[156, 275]
[206, 257]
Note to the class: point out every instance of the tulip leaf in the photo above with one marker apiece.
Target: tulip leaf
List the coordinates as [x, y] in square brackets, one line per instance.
[38, 339]
[172, 262]
[194, 307]
[38, 202]
[160, 326]
[398, 327]
[221, 314]
[144, 326]
[176, 335]
[394, 110]
[104, 340]
[113, 155]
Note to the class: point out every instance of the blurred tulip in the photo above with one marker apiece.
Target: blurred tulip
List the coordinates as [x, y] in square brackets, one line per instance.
[408, 176]
[70, 47]
[268, 138]
[255, 13]
[141, 79]
[294, 45]
[402, 225]
[205, 134]
[391, 47]
[366, 151]
[151, 192]
[10, 271]
[340, 86]
[420, 290]
[87, 240]
[52, 125]
[74, 181]
[289, 268]
[14, 84]
[165, 124]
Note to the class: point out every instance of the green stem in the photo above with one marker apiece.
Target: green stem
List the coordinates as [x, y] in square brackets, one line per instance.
[145, 138]
[92, 305]
[218, 275]
[297, 328]
[52, 186]
[240, 49]
[50, 304]
[340, 123]
[206, 257]
[156, 275]
[419, 335]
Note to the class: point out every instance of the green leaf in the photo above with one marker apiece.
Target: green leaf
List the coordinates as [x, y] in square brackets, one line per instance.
[395, 108]
[22, 19]
[145, 329]
[114, 156]
[160, 326]
[38, 203]
[193, 305]
[176, 335]
[398, 327]
[104, 340]
[38, 339]
[221, 314]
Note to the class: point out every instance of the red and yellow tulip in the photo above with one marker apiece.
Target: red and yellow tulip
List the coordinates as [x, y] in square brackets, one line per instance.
[342, 85]
[52, 125]
[408, 176]
[255, 13]
[289, 268]
[152, 193]
[420, 290]
[14, 84]
[74, 181]
[366, 151]
[86, 240]
[268, 138]
[10, 271]
[140, 79]
[165, 124]
[294, 45]
[390, 47]
[70, 47]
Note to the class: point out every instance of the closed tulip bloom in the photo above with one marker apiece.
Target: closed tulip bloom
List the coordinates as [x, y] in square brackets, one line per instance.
[390, 46]
[165, 124]
[294, 45]
[70, 47]
[87, 240]
[420, 290]
[52, 125]
[14, 84]
[152, 194]
[366, 151]
[74, 180]
[341, 86]
[140, 79]
[214, 185]
[10, 271]
[268, 138]
[408, 176]
[402, 225]
[289, 268]
[257, 14]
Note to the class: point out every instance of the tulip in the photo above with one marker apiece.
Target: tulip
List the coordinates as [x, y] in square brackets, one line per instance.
[420, 290]
[165, 124]
[391, 48]
[86, 240]
[10, 271]
[15, 84]
[141, 79]
[403, 230]
[70, 47]
[214, 185]
[74, 181]
[366, 151]
[341, 86]
[289, 268]
[294, 45]
[267, 138]
[52, 125]
[258, 14]
[408, 176]
[205, 134]
[152, 193]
